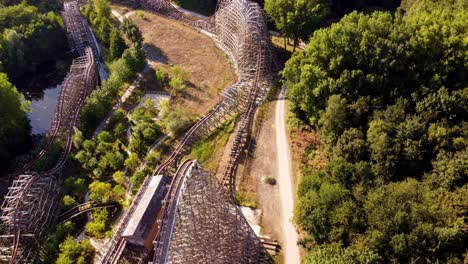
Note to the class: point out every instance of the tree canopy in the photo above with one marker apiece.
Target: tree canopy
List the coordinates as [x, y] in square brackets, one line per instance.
[389, 95]
[14, 125]
[299, 18]
[27, 37]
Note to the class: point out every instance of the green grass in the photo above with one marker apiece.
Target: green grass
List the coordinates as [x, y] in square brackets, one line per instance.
[204, 7]
[207, 150]
[244, 199]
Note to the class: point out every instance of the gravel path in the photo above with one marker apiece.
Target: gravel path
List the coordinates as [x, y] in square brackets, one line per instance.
[291, 250]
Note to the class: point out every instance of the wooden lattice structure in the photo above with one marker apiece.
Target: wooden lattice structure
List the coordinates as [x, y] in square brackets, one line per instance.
[30, 206]
[239, 29]
[202, 225]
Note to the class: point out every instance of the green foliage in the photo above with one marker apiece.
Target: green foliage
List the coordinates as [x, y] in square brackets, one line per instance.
[177, 72]
[54, 239]
[75, 252]
[27, 38]
[297, 19]
[173, 120]
[119, 178]
[131, 32]
[270, 180]
[69, 202]
[206, 150]
[75, 186]
[333, 253]
[153, 158]
[161, 77]
[179, 78]
[98, 227]
[132, 161]
[117, 45]
[14, 128]
[102, 98]
[103, 192]
[146, 130]
[137, 178]
[388, 96]
[244, 199]
[177, 85]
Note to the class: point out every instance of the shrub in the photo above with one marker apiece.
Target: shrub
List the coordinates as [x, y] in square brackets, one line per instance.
[270, 180]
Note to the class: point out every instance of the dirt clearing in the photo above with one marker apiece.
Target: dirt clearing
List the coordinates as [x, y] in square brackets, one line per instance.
[171, 43]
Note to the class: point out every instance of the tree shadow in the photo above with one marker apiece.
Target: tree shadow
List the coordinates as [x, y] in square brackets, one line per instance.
[156, 54]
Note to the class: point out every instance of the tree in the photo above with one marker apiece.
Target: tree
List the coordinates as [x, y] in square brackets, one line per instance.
[117, 45]
[69, 202]
[177, 85]
[101, 192]
[131, 31]
[102, 8]
[132, 161]
[388, 95]
[297, 19]
[137, 178]
[75, 252]
[173, 119]
[14, 128]
[98, 226]
[119, 177]
[78, 138]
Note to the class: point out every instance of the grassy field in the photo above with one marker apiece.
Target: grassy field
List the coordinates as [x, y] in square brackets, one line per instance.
[209, 151]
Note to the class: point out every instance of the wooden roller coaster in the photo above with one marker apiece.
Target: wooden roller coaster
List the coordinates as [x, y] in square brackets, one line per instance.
[238, 28]
[30, 206]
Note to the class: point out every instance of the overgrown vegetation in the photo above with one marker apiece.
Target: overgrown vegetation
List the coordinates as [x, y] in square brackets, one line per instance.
[29, 39]
[32, 35]
[173, 119]
[246, 199]
[298, 19]
[14, 128]
[207, 151]
[178, 81]
[389, 96]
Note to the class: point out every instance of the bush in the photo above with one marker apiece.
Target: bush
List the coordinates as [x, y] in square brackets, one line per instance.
[138, 178]
[75, 252]
[97, 227]
[173, 119]
[245, 200]
[177, 85]
[270, 180]
[161, 78]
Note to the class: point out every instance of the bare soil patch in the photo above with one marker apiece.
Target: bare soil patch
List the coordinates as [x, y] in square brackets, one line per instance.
[171, 43]
[260, 162]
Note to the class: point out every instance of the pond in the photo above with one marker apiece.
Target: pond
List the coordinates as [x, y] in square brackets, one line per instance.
[43, 107]
[43, 90]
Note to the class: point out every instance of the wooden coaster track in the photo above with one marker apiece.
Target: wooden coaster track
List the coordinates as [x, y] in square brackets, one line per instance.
[238, 27]
[30, 206]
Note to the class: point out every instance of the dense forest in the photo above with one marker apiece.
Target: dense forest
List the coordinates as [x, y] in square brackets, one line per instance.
[388, 94]
[31, 36]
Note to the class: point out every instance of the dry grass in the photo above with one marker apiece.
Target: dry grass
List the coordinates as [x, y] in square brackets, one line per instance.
[307, 148]
[172, 43]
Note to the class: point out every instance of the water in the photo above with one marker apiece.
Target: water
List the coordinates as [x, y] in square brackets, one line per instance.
[43, 106]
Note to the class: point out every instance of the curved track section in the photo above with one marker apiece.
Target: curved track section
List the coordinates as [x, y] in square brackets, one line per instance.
[238, 28]
[221, 233]
[30, 206]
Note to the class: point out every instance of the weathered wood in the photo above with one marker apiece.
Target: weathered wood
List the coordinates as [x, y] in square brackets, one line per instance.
[30, 206]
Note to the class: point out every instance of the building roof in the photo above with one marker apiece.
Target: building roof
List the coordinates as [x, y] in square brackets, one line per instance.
[144, 217]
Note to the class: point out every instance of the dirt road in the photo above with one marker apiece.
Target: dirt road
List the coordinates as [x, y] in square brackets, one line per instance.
[291, 250]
